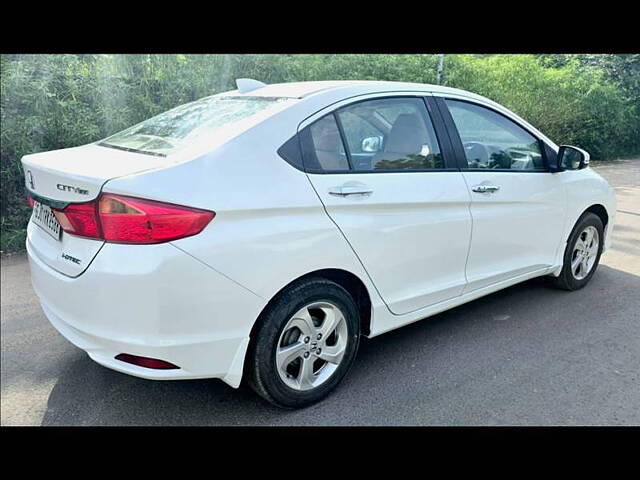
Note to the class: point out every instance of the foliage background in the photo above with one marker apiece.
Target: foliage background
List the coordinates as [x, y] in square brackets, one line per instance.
[57, 101]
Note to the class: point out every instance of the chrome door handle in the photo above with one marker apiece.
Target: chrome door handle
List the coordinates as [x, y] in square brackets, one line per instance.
[344, 190]
[485, 188]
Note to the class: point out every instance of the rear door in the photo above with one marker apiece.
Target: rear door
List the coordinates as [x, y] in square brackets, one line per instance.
[382, 172]
[517, 205]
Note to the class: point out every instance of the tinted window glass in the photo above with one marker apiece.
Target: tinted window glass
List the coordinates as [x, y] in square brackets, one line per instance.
[390, 134]
[358, 129]
[324, 149]
[492, 141]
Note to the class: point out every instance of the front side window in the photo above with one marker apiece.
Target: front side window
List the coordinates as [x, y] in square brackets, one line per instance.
[165, 133]
[390, 134]
[492, 141]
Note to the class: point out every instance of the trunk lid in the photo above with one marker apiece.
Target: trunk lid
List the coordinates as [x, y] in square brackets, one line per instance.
[75, 175]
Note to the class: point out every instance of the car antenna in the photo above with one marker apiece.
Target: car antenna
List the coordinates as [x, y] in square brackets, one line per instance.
[248, 84]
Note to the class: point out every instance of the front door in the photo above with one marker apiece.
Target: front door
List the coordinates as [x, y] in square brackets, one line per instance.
[517, 205]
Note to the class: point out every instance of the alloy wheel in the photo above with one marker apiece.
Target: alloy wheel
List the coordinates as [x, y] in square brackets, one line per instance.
[311, 346]
[584, 253]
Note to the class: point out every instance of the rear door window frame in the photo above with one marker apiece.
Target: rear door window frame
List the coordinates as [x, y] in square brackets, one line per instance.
[432, 115]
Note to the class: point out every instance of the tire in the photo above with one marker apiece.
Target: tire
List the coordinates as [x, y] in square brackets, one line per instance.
[289, 379]
[571, 279]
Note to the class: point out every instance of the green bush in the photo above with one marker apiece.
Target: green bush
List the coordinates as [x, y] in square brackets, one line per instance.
[570, 104]
[49, 102]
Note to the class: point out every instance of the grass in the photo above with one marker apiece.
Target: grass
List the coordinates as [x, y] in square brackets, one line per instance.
[12, 240]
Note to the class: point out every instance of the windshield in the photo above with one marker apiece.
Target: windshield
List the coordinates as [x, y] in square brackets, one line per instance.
[165, 133]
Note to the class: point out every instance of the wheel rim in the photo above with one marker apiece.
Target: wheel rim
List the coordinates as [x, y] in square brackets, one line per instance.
[311, 346]
[584, 253]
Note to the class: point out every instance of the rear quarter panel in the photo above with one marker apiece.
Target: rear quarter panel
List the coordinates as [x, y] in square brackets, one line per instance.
[270, 226]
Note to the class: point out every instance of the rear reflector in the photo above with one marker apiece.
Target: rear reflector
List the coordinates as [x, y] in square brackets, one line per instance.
[123, 219]
[30, 201]
[146, 362]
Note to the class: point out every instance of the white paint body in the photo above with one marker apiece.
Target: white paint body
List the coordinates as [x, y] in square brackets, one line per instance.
[421, 242]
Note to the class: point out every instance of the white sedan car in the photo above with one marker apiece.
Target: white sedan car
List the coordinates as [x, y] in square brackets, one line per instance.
[259, 233]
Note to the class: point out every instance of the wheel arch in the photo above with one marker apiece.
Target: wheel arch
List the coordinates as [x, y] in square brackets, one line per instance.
[349, 281]
[599, 210]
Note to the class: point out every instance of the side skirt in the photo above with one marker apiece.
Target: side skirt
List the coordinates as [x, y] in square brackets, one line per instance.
[383, 321]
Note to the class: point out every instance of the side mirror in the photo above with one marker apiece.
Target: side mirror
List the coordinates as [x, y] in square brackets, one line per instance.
[371, 144]
[572, 158]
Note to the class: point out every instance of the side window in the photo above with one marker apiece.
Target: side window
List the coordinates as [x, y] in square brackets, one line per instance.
[390, 134]
[322, 146]
[359, 129]
[492, 141]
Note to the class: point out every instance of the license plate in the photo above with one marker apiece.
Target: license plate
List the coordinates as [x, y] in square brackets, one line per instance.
[44, 218]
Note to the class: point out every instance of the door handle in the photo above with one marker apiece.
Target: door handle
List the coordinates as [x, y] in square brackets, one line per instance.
[344, 190]
[485, 188]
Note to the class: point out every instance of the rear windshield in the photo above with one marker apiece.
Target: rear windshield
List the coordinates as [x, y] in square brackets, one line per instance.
[167, 132]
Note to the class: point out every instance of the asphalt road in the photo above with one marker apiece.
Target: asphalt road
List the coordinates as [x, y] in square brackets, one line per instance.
[528, 355]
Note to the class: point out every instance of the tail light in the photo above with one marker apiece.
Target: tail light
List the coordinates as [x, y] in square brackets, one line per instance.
[30, 201]
[122, 219]
[79, 219]
[134, 220]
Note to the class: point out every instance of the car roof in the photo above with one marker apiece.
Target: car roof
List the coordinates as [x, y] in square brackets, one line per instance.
[305, 89]
[318, 94]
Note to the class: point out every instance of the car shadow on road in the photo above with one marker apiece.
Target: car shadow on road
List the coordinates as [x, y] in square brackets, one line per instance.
[421, 363]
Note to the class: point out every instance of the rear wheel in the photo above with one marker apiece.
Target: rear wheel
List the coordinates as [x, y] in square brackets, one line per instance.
[582, 253]
[305, 343]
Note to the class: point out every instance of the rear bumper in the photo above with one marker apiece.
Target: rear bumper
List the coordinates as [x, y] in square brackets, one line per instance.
[152, 301]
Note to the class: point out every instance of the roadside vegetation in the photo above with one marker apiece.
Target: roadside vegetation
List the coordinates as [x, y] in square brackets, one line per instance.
[57, 101]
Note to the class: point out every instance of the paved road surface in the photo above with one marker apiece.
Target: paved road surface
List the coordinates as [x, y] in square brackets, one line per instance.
[528, 355]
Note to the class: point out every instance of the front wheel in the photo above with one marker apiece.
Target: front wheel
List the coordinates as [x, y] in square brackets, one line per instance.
[582, 253]
[305, 343]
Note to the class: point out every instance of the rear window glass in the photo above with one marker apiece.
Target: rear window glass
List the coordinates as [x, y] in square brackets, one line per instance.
[167, 132]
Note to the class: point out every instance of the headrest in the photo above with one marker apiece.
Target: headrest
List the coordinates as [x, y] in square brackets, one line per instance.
[406, 136]
[328, 141]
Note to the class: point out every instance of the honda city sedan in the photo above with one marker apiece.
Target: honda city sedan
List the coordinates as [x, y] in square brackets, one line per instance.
[257, 235]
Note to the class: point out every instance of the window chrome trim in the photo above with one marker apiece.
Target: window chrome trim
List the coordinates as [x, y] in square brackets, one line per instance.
[356, 99]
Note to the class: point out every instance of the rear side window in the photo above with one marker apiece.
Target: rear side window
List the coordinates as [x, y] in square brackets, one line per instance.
[388, 134]
[165, 133]
[356, 130]
[492, 141]
[327, 144]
